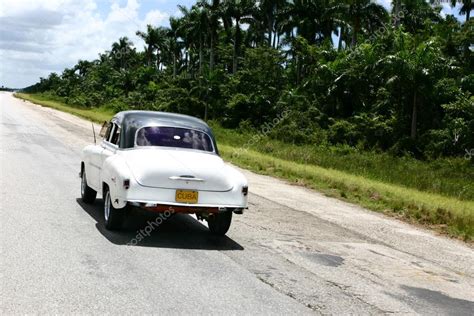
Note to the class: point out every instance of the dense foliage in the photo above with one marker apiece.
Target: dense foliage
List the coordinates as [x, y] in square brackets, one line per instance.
[343, 72]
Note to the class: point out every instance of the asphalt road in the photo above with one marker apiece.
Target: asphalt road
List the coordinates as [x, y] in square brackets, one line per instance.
[293, 252]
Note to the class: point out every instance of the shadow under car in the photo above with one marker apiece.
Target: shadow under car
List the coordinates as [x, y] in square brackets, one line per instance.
[178, 231]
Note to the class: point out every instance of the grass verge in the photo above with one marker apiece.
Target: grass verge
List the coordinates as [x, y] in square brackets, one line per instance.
[401, 195]
[444, 214]
[98, 115]
[450, 177]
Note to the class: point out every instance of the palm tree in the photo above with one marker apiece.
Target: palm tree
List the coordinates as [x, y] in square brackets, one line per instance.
[83, 66]
[416, 67]
[363, 15]
[255, 34]
[69, 78]
[279, 22]
[270, 9]
[302, 16]
[240, 11]
[396, 9]
[213, 11]
[173, 44]
[314, 20]
[195, 25]
[161, 46]
[155, 39]
[120, 52]
[466, 8]
[417, 12]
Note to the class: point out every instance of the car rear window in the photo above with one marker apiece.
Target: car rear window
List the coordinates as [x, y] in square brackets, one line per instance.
[173, 137]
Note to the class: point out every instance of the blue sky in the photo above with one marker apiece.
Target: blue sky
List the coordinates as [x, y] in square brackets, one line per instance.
[166, 6]
[39, 37]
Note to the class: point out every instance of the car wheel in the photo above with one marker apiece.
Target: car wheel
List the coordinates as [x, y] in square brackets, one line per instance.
[219, 223]
[88, 195]
[113, 217]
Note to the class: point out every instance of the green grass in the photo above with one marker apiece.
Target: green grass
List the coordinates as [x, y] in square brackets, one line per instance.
[450, 177]
[438, 194]
[96, 114]
[445, 214]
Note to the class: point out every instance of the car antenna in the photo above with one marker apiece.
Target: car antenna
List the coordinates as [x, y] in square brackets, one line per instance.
[93, 132]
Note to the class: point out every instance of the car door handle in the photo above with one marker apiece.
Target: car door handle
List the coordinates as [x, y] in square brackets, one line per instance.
[186, 178]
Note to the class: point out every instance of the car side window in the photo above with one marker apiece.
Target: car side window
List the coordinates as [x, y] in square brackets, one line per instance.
[115, 135]
[107, 132]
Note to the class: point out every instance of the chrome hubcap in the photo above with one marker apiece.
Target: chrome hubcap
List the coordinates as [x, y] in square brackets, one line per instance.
[107, 206]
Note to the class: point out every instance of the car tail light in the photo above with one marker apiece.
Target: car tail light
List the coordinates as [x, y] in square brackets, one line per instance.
[126, 184]
[245, 190]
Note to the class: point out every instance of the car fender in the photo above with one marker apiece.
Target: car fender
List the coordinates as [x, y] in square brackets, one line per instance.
[92, 172]
[114, 172]
[239, 180]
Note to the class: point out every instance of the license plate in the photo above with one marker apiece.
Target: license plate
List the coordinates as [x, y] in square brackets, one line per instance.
[186, 196]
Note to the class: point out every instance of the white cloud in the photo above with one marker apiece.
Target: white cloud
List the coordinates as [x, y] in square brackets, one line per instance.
[123, 14]
[449, 10]
[39, 37]
[386, 3]
[156, 17]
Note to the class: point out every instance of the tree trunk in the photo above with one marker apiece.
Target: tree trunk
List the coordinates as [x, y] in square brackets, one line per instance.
[396, 11]
[191, 67]
[213, 30]
[236, 46]
[414, 116]
[468, 14]
[158, 60]
[298, 69]
[270, 30]
[174, 64]
[149, 54]
[355, 31]
[186, 63]
[339, 44]
[201, 56]
[211, 52]
[227, 28]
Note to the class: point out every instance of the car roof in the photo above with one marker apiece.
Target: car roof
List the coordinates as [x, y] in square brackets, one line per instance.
[131, 121]
[160, 118]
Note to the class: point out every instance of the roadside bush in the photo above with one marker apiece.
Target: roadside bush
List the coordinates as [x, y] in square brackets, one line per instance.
[344, 132]
[117, 105]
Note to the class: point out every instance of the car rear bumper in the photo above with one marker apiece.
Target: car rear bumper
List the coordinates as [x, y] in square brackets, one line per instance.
[162, 207]
[148, 197]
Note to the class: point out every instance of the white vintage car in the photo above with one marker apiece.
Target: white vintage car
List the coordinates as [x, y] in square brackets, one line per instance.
[161, 162]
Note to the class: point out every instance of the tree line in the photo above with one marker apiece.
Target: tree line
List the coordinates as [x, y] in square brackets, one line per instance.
[347, 72]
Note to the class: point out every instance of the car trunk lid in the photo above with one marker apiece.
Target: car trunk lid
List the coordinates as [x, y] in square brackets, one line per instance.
[178, 169]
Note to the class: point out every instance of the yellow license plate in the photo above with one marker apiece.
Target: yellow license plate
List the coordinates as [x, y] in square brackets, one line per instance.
[186, 196]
